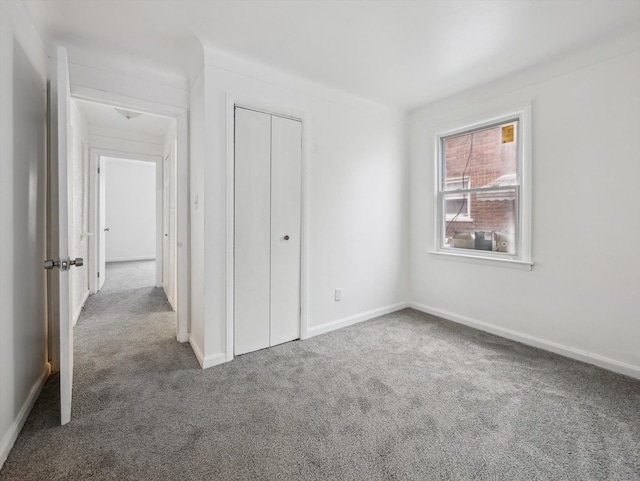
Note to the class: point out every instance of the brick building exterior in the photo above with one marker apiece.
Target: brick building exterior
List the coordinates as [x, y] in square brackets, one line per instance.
[481, 159]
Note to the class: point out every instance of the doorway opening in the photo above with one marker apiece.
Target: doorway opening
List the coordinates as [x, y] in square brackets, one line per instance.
[143, 152]
[123, 183]
[131, 245]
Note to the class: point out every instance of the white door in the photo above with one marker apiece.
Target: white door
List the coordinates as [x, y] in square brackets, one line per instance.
[252, 230]
[166, 268]
[66, 329]
[102, 215]
[286, 152]
[268, 158]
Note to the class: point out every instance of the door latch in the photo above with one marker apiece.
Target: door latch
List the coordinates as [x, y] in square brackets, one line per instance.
[63, 264]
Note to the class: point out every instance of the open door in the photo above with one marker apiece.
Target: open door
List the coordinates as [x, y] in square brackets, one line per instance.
[61, 261]
[102, 229]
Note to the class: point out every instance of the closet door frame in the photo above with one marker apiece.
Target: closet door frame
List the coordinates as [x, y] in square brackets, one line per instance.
[233, 101]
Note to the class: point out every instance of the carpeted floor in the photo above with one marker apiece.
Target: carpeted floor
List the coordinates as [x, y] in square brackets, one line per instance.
[406, 396]
[124, 276]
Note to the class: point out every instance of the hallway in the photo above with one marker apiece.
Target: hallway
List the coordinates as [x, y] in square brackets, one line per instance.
[125, 349]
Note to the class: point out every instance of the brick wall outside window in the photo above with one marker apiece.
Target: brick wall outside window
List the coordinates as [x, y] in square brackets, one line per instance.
[491, 159]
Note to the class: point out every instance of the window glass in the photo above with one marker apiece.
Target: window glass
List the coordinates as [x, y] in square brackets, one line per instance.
[479, 189]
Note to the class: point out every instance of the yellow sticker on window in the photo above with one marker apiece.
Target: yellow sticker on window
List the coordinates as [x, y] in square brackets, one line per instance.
[507, 133]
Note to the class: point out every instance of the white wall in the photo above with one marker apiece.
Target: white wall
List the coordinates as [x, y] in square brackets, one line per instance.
[197, 131]
[127, 142]
[582, 296]
[79, 220]
[130, 209]
[356, 213]
[23, 329]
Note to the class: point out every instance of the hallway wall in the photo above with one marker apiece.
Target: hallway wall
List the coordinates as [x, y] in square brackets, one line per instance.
[23, 318]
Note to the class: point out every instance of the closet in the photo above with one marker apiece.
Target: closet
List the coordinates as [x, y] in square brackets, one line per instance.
[268, 158]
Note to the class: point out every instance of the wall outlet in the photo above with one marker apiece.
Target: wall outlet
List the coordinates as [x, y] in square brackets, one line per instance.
[338, 293]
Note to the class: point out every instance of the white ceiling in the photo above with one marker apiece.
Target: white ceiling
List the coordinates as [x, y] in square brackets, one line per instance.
[105, 116]
[400, 53]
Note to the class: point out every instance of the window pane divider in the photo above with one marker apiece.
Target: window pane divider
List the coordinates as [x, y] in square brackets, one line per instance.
[481, 189]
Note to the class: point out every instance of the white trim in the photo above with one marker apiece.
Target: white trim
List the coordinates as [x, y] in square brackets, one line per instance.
[563, 350]
[181, 115]
[523, 198]
[208, 361]
[127, 259]
[456, 255]
[76, 315]
[12, 433]
[348, 321]
[234, 100]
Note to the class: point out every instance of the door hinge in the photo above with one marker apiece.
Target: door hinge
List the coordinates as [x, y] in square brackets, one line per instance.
[98, 170]
[98, 275]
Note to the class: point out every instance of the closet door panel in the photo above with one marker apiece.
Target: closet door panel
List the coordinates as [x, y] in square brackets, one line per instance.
[286, 165]
[252, 230]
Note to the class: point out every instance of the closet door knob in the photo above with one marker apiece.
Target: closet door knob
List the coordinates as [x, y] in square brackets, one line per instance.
[286, 237]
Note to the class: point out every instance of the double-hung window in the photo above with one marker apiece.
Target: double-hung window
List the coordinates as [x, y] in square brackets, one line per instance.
[483, 195]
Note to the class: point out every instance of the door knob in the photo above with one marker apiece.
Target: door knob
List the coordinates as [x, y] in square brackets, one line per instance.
[286, 237]
[63, 264]
[106, 229]
[50, 264]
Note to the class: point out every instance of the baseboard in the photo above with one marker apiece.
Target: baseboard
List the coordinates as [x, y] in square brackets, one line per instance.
[348, 321]
[208, 361]
[127, 259]
[76, 315]
[567, 351]
[11, 435]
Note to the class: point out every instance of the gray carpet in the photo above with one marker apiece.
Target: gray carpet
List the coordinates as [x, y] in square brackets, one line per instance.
[406, 396]
[129, 275]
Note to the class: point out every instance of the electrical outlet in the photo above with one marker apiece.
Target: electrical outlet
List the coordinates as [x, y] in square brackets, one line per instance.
[338, 293]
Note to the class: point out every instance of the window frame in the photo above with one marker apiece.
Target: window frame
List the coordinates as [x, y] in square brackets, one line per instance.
[462, 217]
[522, 187]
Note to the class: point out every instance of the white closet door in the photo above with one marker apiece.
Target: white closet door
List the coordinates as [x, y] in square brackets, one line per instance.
[252, 230]
[286, 153]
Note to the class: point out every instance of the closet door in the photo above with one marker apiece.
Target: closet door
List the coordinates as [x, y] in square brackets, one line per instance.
[286, 157]
[252, 230]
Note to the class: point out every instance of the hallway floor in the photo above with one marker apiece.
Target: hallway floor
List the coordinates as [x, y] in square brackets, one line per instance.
[124, 344]
[124, 276]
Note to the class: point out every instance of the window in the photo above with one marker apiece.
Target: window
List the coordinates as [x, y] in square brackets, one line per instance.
[483, 190]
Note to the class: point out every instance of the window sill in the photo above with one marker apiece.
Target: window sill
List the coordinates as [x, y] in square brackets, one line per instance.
[479, 259]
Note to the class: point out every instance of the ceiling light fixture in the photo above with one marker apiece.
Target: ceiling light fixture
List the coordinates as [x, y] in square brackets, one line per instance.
[128, 114]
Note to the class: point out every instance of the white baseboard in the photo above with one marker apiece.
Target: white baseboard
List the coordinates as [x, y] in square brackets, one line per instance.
[126, 259]
[567, 351]
[348, 321]
[208, 361]
[11, 435]
[76, 315]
